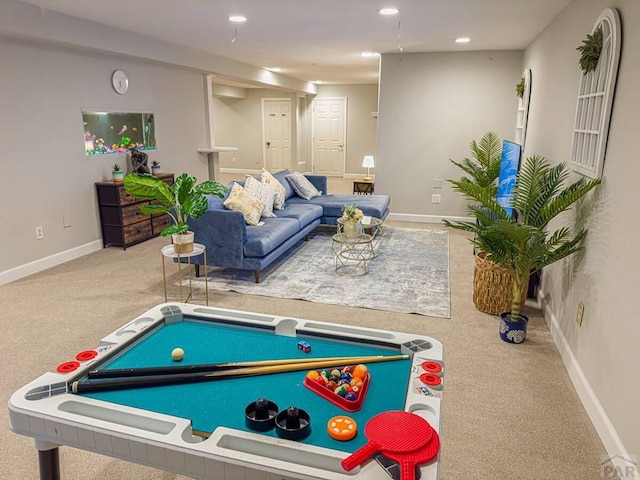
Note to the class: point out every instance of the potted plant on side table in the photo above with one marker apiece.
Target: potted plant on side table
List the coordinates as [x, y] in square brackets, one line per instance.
[523, 244]
[183, 200]
[155, 167]
[351, 217]
[116, 173]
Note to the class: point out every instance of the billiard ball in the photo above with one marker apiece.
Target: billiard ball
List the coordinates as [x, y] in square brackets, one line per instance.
[177, 354]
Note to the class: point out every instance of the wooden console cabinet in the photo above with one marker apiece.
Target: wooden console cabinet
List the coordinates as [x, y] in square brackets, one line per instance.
[121, 221]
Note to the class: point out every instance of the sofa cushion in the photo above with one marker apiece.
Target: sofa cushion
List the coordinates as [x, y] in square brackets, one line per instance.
[240, 201]
[282, 178]
[305, 213]
[261, 240]
[371, 205]
[262, 192]
[278, 189]
[303, 187]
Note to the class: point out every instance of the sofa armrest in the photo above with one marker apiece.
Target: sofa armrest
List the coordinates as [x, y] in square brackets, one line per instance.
[318, 181]
[224, 233]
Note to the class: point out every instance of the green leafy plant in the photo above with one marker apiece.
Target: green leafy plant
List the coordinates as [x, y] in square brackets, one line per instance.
[525, 245]
[351, 212]
[183, 200]
[155, 163]
[484, 168]
[590, 51]
[520, 88]
[116, 167]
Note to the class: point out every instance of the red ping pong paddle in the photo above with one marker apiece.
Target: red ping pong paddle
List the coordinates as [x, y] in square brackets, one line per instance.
[394, 431]
[408, 460]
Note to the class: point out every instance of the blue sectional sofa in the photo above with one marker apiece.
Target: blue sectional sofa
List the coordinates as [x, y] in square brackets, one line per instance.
[230, 242]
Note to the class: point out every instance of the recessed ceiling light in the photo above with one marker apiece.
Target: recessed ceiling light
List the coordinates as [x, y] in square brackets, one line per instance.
[463, 40]
[237, 18]
[388, 11]
[369, 54]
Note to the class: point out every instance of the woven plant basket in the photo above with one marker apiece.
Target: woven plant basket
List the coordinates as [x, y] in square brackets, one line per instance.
[493, 286]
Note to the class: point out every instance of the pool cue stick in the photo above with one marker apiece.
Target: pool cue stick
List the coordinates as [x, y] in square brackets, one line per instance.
[214, 367]
[175, 379]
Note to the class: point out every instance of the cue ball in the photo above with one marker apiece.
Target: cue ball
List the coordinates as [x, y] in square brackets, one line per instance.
[177, 354]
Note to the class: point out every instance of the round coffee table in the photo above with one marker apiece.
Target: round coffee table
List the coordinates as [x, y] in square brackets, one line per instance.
[352, 254]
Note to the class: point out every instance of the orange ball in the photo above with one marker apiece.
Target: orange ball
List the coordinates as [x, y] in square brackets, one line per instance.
[360, 371]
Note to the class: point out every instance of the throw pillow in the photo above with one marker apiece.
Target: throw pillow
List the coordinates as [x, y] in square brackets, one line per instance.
[261, 192]
[302, 186]
[278, 189]
[239, 201]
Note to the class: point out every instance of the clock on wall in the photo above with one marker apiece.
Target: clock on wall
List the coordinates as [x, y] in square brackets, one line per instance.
[119, 81]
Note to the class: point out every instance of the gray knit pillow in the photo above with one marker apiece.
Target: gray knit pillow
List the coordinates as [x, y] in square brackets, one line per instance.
[302, 186]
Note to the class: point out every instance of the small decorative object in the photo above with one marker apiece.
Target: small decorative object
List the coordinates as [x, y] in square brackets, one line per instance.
[368, 163]
[120, 82]
[351, 216]
[183, 200]
[590, 51]
[513, 332]
[520, 88]
[139, 161]
[155, 167]
[117, 173]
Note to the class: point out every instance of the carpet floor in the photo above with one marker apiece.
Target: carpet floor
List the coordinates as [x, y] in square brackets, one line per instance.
[410, 274]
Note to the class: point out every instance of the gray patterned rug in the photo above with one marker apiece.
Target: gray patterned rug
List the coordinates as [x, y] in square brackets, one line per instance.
[409, 275]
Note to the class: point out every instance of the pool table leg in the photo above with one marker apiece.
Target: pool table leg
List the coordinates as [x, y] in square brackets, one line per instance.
[49, 461]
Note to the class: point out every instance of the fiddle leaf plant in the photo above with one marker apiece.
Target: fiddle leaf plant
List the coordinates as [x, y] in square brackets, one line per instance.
[523, 244]
[183, 200]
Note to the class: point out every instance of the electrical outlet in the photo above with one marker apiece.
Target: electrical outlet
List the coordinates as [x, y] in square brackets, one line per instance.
[233, 159]
[580, 314]
[436, 198]
[39, 233]
[438, 183]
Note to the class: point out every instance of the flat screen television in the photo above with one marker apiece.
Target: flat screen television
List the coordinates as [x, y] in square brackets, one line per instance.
[509, 166]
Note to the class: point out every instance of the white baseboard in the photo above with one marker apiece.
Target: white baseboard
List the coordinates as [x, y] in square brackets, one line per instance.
[618, 454]
[417, 218]
[241, 171]
[48, 262]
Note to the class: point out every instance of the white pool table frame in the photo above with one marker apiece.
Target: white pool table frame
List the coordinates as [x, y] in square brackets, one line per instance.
[168, 443]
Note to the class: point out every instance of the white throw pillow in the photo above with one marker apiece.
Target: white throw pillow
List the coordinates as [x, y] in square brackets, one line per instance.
[261, 192]
[239, 201]
[278, 189]
[302, 186]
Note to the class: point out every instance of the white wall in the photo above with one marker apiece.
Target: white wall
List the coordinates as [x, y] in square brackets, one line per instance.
[432, 106]
[602, 356]
[46, 172]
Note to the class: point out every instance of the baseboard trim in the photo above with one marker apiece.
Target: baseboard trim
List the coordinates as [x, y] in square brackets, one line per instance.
[417, 218]
[48, 262]
[242, 171]
[618, 454]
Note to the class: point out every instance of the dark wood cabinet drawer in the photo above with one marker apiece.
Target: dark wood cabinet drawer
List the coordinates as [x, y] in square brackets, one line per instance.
[132, 214]
[137, 232]
[159, 223]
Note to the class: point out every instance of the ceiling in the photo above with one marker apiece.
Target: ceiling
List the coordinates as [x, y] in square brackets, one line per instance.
[322, 40]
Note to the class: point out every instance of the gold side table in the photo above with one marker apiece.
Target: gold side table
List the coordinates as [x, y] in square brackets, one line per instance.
[352, 254]
[169, 252]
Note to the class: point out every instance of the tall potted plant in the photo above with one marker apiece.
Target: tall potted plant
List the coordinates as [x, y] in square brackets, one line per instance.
[491, 282]
[183, 200]
[524, 244]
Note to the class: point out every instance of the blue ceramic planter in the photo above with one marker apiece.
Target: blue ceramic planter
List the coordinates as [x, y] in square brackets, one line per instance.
[513, 332]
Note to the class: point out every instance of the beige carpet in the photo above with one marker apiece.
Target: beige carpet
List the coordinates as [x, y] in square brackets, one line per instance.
[509, 412]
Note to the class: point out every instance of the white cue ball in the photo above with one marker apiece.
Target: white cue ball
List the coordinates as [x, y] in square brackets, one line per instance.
[177, 354]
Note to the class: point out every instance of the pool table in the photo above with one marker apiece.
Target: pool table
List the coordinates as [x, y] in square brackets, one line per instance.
[199, 429]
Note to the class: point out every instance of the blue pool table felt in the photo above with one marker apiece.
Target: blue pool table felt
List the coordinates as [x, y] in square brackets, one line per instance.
[222, 402]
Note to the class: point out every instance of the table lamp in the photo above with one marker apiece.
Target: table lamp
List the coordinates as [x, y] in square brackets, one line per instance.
[368, 163]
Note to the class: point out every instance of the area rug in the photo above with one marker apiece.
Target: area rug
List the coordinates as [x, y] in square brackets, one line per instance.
[409, 275]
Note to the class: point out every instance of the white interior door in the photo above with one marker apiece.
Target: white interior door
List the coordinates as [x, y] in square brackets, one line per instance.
[329, 136]
[276, 121]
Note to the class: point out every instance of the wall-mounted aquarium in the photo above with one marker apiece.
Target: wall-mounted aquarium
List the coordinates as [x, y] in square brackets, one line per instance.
[117, 132]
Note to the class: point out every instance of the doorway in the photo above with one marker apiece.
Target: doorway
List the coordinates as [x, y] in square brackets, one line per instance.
[276, 121]
[329, 136]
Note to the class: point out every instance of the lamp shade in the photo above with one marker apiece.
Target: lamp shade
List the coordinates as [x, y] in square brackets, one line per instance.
[368, 161]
